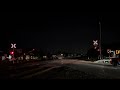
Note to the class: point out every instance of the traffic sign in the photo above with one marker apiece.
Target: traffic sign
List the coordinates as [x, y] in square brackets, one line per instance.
[117, 51]
[108, 50]
[13, 45]
[95, 43]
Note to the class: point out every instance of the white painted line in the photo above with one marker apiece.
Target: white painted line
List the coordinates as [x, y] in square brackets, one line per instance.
[29, 76]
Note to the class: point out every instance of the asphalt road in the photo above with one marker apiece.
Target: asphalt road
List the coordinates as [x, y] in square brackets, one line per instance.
[61, 69]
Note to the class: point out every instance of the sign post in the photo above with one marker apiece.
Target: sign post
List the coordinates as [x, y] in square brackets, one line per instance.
[95, 44]
[109, 51]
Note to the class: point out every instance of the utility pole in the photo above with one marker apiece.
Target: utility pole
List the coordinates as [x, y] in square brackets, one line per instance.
[13, 55]
[100, 41]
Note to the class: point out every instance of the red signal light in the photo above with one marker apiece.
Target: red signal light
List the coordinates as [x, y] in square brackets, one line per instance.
[11, 52]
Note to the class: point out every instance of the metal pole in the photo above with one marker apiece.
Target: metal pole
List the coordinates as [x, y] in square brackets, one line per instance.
[13, 55]
[109, 56]
[100, 42]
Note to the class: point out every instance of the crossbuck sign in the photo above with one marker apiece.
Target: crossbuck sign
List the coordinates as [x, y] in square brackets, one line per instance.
[108, 50]
[95, 43]
[13, 45]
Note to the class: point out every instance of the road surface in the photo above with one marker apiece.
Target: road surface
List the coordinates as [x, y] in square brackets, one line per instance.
[62, 69]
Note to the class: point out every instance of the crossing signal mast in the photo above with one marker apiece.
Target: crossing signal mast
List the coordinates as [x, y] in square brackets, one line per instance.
[13, 46]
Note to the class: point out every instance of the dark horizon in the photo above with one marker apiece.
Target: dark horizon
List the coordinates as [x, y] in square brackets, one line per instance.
[60, 30]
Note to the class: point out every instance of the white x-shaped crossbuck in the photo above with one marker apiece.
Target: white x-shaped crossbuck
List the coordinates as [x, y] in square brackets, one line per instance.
[95, 43]
[13, 45]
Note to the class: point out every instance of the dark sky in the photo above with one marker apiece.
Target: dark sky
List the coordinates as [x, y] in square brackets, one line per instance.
[55, 30]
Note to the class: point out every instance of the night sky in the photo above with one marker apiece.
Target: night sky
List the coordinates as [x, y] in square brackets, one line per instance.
[72, 31]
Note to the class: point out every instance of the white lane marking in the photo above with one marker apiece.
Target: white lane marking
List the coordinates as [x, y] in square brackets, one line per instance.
[37, 73]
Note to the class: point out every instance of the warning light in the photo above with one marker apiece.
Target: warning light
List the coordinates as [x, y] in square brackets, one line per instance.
[11, 52]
